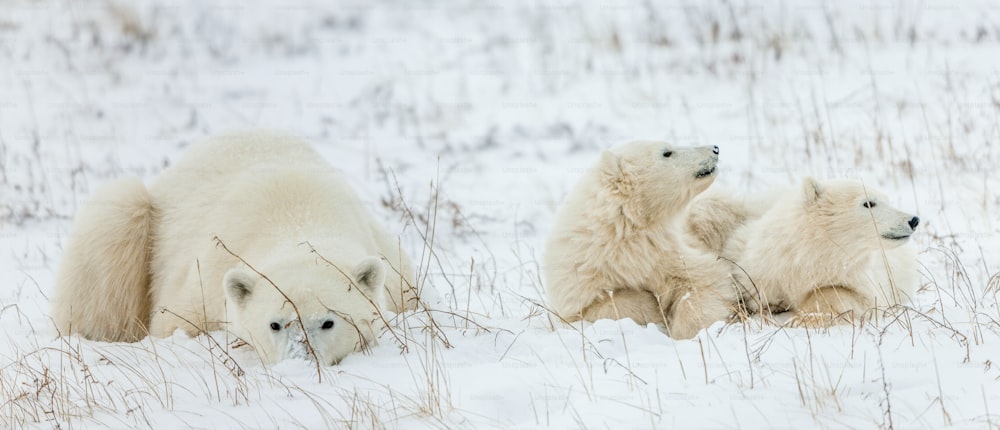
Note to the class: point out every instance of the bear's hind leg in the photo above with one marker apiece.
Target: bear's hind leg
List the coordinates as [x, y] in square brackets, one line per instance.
[827, 306]
[102, 289]
[639, 305]
[698, 308]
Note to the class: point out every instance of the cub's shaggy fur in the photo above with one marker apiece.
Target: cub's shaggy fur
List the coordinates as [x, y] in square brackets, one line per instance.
[616, 249]
[829, 251]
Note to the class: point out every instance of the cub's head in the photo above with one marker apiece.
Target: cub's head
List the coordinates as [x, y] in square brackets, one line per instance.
[338, 308]
[656, 178]
[852, 213]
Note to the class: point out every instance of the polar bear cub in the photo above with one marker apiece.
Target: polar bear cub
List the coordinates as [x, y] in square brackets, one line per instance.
[829, 251]
[617, 251]
[253, 233]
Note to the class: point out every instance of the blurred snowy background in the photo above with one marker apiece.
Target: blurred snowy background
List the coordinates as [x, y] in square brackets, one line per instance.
[463, 123]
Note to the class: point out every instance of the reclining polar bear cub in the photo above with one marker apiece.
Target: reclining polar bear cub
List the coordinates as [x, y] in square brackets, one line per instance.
[829, 251]
[250, 232]
[616, 249]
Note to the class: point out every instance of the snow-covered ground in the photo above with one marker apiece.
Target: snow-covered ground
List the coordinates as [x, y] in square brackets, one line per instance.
[464, 123]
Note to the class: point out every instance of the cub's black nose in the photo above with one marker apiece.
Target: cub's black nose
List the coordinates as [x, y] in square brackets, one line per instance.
[914, 222]
[715, 149]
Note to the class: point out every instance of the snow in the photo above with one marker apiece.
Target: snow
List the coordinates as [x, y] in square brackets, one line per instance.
[485, 114]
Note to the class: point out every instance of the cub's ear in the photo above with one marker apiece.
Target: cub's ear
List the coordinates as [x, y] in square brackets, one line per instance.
[613, 175]
[239, 285]
[610, 164]
[812, 189]
[370, 274]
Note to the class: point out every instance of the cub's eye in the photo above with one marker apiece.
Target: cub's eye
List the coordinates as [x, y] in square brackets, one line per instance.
[667, 153]
[868, 204]
[275, 326]
[327, 325]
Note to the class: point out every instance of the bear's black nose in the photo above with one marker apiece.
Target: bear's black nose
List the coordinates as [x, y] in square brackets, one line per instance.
[914, 222]
[715, 149]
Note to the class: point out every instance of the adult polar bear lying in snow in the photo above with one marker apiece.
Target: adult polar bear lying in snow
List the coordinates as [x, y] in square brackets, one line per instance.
[617, 251]
[150, 262]
[829, 251]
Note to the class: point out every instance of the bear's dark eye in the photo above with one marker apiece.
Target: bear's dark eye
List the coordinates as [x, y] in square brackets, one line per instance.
[667, 153]
[275, 326]
[327, 325]
[868, 204]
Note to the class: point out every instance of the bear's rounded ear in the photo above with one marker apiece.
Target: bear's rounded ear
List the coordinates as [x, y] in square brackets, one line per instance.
[812, 189]
[370, 274]
[610, 164]
[238, 284]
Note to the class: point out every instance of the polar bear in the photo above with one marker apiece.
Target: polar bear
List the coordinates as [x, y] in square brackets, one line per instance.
[830, 251]
[250, 232]
[617, 251]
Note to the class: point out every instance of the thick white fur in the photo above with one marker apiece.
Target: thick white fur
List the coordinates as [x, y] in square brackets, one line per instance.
[268, 198]
[714, 215]
[617, 251]
[819, 252]
[102, 284]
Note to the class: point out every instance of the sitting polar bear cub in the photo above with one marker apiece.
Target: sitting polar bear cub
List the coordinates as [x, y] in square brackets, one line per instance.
[616, 250]
[252, 233]
[829, 251]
